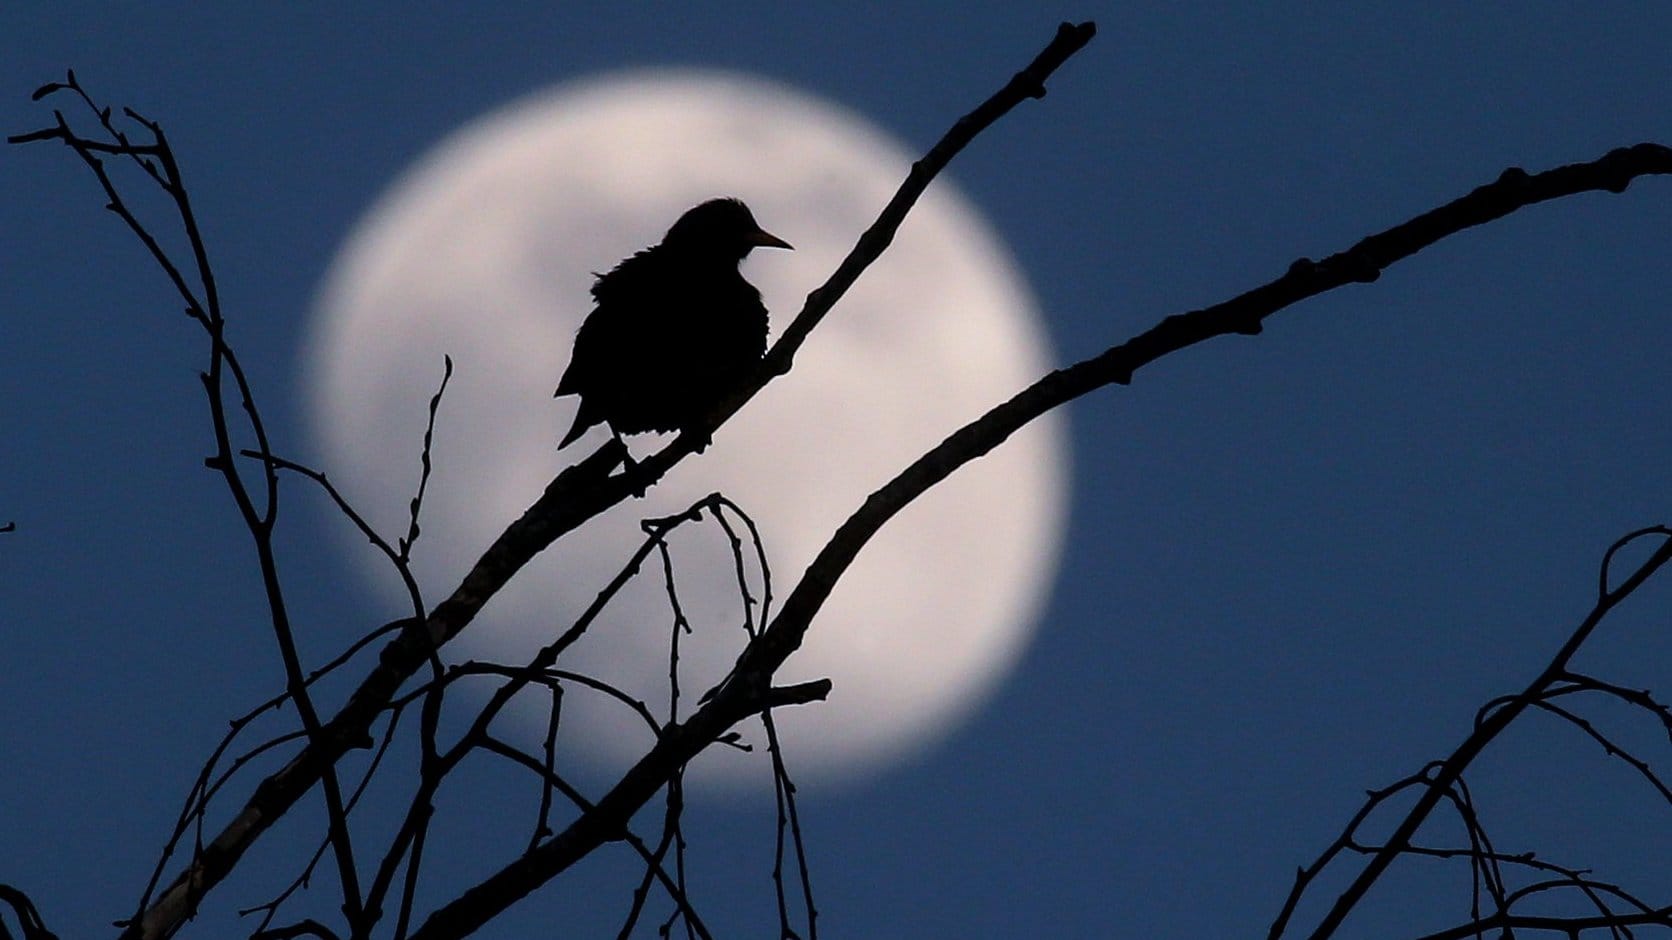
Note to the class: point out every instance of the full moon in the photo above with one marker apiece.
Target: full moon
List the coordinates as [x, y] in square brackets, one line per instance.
[485, 250]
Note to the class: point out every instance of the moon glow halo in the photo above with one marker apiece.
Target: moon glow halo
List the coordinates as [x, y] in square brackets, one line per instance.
[485, 250]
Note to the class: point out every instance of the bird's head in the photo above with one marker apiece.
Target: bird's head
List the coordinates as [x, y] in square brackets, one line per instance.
[722, 227]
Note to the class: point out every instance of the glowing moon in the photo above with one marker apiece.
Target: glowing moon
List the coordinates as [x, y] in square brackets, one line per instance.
[485, 252]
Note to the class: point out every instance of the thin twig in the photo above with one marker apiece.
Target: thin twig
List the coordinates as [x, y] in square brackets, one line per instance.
[28, 917]
[417, 504]
[1489, 725]
[157, 161]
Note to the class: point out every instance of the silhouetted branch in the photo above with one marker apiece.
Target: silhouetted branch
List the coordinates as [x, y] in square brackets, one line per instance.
[202, 300]
[1485, 862]
[653, 858]
[673, 832]
[1443, 780]
[436, 766]
[1505, 924]
[196, 805]
[302, 879]
[681, 623]
[400, 559]
[1028, 83]
[548, 762]
[1598, 893]
[417, 504]
[653, 869]
[1306, 874]
[396, 557]
[722, 506]
[305, 928]
[788, 832]
[1610, 748]
[28, 918]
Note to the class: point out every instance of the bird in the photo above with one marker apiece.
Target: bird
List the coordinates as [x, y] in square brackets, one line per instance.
[673, 328]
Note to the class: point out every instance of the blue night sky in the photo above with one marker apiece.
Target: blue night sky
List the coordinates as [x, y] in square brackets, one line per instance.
[1297, 563]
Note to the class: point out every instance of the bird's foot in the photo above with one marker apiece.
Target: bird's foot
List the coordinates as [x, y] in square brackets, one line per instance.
[629, 467]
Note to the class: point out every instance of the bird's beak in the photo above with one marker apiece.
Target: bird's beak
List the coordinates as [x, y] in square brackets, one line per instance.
[765, 239]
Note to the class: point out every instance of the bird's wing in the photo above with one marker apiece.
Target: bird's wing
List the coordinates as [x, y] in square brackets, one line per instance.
[628, 300]
[630, 279]
[607, 332]
[607, 339]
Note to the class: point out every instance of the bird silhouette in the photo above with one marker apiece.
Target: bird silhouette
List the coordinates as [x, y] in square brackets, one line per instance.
[675, 326]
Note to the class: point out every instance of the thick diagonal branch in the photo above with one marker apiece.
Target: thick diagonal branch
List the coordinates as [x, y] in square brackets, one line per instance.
[1363, 262]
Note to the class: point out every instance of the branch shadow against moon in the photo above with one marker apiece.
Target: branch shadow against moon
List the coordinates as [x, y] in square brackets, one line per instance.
[485, 251]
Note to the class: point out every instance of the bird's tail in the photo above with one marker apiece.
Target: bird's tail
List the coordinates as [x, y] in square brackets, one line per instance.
[577, 429]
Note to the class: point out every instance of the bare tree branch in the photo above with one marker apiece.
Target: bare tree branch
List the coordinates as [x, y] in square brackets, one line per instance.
[1363, 262]
[1441, 779]
[1505, 925]
[202, 298]
[28, 919]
